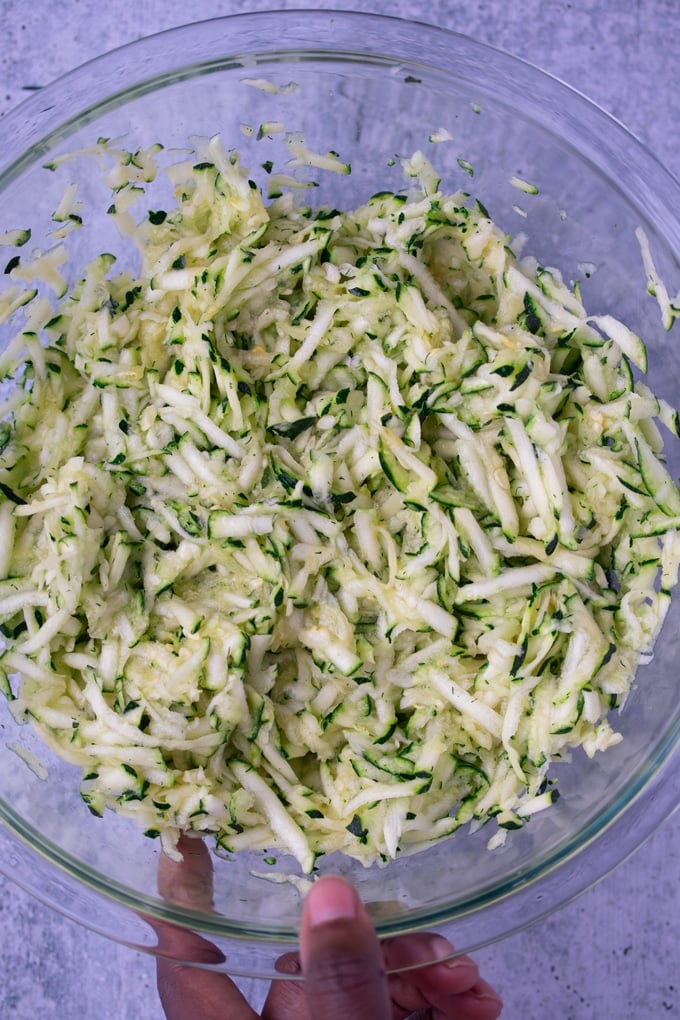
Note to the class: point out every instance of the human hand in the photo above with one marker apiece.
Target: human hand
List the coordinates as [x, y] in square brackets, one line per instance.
[344, 965]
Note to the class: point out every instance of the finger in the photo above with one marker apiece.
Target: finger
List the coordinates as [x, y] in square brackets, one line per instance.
[429, 961]
[452, 987]
[189, 993]
[341, 957]
[183, 946]
[286, 1000]
[482, 1002]
[189, 882]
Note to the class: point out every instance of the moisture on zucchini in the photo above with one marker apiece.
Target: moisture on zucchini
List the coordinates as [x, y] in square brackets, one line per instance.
[322, 531]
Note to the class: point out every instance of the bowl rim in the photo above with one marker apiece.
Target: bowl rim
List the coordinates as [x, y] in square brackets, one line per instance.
[33, 109]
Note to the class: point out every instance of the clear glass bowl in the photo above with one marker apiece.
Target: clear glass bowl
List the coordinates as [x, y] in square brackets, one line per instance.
[370, 88]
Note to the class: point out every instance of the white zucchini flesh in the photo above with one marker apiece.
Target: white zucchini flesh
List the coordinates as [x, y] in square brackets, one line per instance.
[325, 530]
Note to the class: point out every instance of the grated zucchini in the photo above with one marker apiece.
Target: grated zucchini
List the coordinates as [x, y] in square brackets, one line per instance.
[322, 531]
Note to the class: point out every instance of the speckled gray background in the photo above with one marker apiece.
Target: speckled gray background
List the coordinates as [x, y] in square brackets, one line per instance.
[611, 955]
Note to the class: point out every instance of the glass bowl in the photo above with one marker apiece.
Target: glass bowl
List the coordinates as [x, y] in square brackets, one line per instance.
[371, 88]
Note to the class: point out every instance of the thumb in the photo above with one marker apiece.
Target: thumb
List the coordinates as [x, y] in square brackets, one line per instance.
[342, 961]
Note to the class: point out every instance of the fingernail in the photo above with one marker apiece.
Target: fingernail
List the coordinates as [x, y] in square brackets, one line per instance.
[443, 951]
[488, 997]
[440, 947]
[331, 899]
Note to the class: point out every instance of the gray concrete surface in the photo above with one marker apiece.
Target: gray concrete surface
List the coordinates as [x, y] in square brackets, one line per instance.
[612, 954]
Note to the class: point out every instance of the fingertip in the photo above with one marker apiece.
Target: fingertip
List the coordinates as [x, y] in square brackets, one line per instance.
[331, 903]
[481, 1003]
[424, 951]
[440, 949]
[486, 992]
[452, 962]
[288, 963]
[187, 882]
[331, 898]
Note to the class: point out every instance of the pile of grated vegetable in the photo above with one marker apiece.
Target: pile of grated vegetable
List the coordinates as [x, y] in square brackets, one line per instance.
[325, 531]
